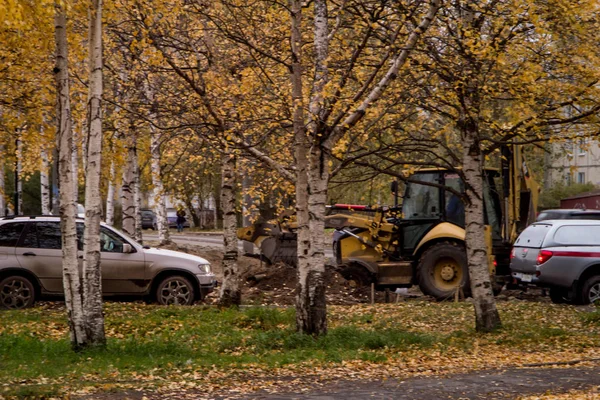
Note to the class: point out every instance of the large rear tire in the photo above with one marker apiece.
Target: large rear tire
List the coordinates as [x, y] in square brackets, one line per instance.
[443, 270]
[357, 274]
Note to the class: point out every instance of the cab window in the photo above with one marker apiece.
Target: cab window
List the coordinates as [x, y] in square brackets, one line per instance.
[420, 199]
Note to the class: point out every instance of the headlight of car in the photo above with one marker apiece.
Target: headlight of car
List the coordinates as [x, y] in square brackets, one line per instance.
[204, 268]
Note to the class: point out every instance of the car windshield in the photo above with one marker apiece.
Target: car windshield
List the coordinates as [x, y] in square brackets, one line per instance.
[124, 235]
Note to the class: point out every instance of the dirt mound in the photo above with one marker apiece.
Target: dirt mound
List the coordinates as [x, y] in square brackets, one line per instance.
[276, 284]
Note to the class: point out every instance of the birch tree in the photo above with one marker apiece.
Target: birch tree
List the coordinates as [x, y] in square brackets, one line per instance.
[92, 290]
[110, 196]
[19, 174]
[128, 188]
[158, 191]
[2, 182]
[68, 210]
[45, 182]
[496, 74]
[323, 132]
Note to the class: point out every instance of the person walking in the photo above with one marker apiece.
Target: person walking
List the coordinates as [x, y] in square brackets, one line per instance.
[180, 219]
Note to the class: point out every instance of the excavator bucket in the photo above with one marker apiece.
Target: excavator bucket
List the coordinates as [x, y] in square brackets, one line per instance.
[275, 244]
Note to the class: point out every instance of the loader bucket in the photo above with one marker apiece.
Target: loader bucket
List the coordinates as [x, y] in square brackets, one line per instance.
[275, 245]
[281, 248]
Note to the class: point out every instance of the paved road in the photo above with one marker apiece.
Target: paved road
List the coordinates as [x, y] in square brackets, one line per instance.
[492, 384]
[507, 384]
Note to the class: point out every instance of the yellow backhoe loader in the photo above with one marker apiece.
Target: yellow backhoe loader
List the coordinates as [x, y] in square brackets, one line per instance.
[421, 242]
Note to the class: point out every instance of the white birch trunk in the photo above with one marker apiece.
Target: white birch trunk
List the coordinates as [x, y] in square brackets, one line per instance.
[230, 290]
[2, 181]
[75, 162]
[215, 210]
[310, 317]
[68, 209]
[127, 190]
[45, 182]
[311, 310]
[137, 202]
[160, 207]
[93, 200]
[110, 196]
[19, 174]
[487, 317]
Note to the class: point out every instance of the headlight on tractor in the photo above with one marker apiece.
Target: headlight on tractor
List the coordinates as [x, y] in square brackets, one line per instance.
[204, 268]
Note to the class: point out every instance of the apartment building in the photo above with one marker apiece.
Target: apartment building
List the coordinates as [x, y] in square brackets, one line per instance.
[574, 161]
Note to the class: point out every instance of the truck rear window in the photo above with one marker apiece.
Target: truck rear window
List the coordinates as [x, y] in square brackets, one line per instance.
[578, 235]
[533, 236]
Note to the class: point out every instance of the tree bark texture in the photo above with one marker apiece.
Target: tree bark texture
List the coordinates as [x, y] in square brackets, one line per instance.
[487, 317]
[137, 202]
[19, 174]
[230, 294]
[92, 291]
[160, 208]
[75, 162]
[68, 209]
[128, 189]
[110, 196]
[2, 181]
[310, 313]
[45, 182]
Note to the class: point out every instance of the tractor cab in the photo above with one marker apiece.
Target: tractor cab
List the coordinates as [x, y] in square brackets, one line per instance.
[434, 196]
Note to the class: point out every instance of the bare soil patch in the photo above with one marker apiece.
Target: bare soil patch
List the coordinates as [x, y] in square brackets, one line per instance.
[264, 284]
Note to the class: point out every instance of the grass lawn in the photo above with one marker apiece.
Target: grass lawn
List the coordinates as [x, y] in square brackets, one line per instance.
[206, 347]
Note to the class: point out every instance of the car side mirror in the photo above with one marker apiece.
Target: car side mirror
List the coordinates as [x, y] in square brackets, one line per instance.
[127, 248]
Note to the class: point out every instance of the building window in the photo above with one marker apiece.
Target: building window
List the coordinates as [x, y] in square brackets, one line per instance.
[581, 177]
[582, 148]
[568, 179]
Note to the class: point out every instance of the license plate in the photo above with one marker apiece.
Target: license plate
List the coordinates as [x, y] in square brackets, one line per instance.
[527, 278]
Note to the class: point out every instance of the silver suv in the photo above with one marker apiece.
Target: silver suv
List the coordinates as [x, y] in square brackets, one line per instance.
[563, 255]
[31, 265]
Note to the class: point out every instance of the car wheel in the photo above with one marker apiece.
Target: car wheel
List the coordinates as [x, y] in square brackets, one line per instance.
[175, 290]
[590, 292]
[560, 295]
[16, 292]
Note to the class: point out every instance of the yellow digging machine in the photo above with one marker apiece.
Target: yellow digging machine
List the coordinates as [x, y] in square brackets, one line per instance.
[423, 241]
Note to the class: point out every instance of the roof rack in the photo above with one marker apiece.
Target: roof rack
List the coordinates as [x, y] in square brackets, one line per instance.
[22, 216]
[9, 217]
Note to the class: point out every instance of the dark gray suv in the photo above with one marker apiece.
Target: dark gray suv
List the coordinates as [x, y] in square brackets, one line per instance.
[31, 265]
[563, 255]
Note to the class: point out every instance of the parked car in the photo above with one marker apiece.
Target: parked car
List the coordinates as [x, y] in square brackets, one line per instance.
[31, 265]
[572, 213]
[563, 255]
[80, 211]
[148, 219]
[172, 218]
